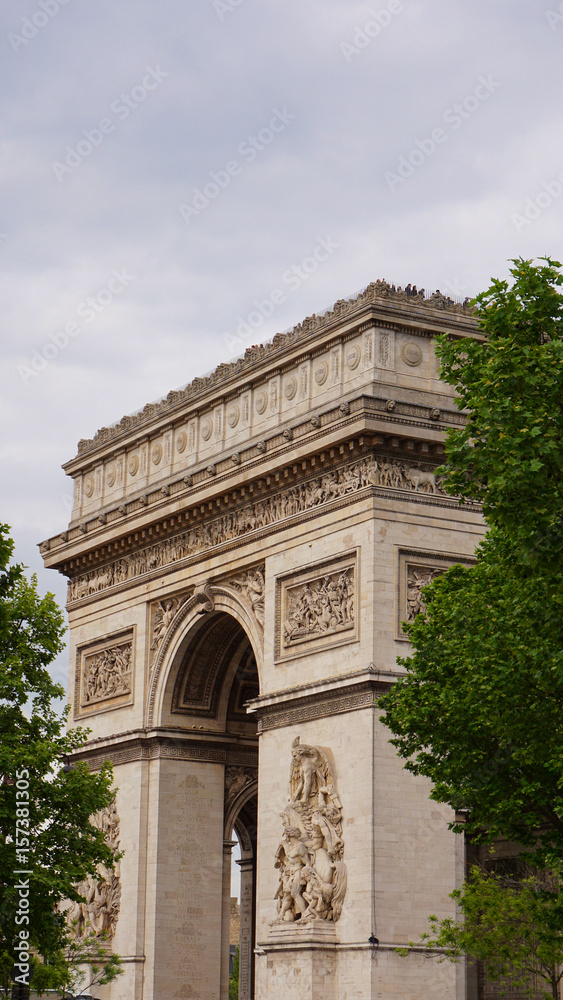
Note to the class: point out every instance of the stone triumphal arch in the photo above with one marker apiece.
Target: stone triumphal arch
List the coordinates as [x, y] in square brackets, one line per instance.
[240, 558]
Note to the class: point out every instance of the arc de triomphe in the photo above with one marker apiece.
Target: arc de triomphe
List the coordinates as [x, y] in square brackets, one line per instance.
[240, 558]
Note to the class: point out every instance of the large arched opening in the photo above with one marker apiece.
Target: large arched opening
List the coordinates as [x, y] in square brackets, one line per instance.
[211, 674]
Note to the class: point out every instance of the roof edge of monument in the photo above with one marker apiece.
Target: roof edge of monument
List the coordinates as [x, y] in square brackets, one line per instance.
[380, 291]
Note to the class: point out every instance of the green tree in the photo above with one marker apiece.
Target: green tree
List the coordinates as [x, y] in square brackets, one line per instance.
[65, 971]
[479, 710]
[509, 455]
[513, 926]
[45, 808]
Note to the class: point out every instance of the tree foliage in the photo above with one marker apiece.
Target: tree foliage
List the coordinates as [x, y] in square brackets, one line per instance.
[512, 925]
[479, 710]
[509, 455]
[45, 809]
[65, 971]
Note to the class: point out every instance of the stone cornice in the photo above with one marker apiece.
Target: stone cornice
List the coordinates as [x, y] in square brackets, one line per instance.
[333, 696]
[380, 302]
[410, 422]
[149, 744]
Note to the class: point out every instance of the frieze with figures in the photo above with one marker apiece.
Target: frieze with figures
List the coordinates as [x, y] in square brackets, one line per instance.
[332, 485]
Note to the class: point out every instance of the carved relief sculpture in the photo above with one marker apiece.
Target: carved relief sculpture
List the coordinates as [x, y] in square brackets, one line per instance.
[102, 894]
[251, 585]
[320, 606]
[332, 485]
[418, 577]
[310, 856]
[107, 674]
[237, 777]
[162, 615]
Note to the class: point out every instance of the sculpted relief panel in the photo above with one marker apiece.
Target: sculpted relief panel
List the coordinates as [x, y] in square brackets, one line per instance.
[316, 607]
[310, 856]
[418, 577]
[238, 777]
[416, 571]
[104, 675]
[251, 585]
[332, 485]
[162, 615]
[102, 894]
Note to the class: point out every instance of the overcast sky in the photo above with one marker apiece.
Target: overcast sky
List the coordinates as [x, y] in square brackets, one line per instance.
[177, 161]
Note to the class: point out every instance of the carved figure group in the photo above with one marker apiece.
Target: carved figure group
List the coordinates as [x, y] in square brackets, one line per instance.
[252, 586]
[163, 614]
[99, 910]
[107, 673]
[324, 605]
[315, 492]
[417, 578]
[310, 855]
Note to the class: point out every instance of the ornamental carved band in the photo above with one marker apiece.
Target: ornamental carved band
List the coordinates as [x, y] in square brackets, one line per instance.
[310, 856]
[334, 485]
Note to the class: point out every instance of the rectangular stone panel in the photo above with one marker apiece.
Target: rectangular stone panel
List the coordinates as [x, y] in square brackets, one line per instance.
[316, 607]
[104, 674]
[416, 569]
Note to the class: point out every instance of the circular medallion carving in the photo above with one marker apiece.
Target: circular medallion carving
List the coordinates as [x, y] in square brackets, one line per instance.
[411, 353]
[181, 441]
[133, 465]
[261, 402]
[233, 416]
[290, 388]
[206, 429]
[156, 453]
[111, 476]
[321, 373]
[353, 357]
[89, 486]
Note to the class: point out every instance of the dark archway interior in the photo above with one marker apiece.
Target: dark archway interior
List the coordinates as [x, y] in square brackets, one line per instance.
[217, 674]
